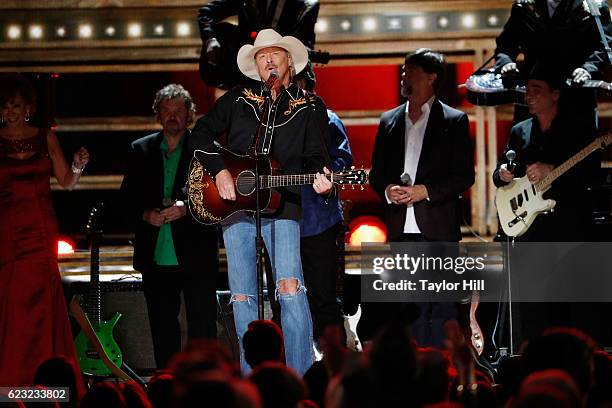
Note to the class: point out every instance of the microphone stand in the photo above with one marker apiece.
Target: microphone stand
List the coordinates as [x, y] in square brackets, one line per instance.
[259, 242]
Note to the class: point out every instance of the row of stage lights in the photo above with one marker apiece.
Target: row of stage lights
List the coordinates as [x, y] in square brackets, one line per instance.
[416, 23]
[183, 29]
[87, 31]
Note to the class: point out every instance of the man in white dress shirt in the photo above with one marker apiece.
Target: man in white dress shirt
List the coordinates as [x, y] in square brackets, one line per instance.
[422, 162]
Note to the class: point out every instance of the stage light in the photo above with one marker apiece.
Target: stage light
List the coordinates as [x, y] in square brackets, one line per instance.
[394, 23]
[65, 246]
[60, 31]
[493, 20]
[183, 29]
[321, 26]
[14, 32]
[110, 31]
[369, 24]
[85, 31]
[443, 22]
[367, 229]
[468, 21]
[419, 23]
[159, 29]
[134, 30]
[345, 25]
[36, 32]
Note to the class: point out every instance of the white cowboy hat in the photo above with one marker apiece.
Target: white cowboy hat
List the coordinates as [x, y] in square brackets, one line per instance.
[270, 38]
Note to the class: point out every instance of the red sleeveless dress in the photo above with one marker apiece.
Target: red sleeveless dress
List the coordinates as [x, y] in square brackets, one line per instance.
[34, 323]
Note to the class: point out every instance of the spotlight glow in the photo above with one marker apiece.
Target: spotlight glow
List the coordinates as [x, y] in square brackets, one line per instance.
[493, 20]
[443, 22]
[394, 23]
[110, 31]
[321, 26]
[369, 24]
[134, 30]
[14, 32]
[183, 29]
[419, 23]
[85, 31]
[36, 32]
[159, 29]
[468, 21]
[60, 31]
[345, 25]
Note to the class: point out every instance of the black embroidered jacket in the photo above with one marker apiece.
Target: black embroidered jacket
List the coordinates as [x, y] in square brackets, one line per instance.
[293, 133]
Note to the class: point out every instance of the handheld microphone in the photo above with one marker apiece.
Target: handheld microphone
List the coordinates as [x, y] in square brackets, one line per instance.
[405, 179]
[511, 155]
[270, 81]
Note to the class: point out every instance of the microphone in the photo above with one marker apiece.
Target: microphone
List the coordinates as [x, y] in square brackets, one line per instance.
[511, 155]
[405, 179]
[271, 80]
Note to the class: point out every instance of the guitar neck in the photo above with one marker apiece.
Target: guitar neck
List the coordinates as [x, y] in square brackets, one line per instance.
[571, 162]
[95, 290]
[290, 180]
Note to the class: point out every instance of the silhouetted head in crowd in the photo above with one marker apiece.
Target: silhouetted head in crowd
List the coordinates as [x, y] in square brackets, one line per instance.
[103, 395]
[432, 378]
[278, 385]
[548, 388]
[216, 388]
[199, 357]
[563, 348]
[58, 372]
[160, 389]
[135, 396]
[393, 366]
[263, 341]
[316, 379]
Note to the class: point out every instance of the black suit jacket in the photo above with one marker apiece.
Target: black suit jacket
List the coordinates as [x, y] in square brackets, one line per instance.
[446, 168]
[196, 245]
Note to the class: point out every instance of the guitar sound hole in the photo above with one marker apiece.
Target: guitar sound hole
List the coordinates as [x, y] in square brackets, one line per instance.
[245, 183]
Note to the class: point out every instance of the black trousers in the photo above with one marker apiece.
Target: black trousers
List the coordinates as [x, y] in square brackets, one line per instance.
[426, 320]
[320, 268]
[162, 289]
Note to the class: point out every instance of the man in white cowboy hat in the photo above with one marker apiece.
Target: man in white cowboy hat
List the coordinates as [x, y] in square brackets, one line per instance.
[294, 133]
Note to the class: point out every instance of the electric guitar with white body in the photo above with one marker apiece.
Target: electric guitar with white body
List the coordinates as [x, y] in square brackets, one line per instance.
[520, 202]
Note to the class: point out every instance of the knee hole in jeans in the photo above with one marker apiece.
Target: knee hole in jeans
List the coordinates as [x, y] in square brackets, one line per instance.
[288, 286]
[240, 298]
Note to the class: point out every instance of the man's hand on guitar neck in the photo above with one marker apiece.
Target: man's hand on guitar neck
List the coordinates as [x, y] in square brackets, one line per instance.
[537, 171]
[321, 184]
[225, 185]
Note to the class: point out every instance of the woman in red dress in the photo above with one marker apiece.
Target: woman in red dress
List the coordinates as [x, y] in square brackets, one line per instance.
[34, 322]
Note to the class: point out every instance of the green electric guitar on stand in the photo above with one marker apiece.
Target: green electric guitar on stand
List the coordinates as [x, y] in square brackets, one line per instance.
[90, 361]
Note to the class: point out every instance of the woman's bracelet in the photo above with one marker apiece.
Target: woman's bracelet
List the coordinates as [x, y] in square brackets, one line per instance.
[75, 169]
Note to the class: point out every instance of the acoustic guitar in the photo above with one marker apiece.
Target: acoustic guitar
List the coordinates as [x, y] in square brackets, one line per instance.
[207, 206]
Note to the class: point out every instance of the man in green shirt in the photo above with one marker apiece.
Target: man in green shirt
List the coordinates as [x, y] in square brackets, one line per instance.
[172, 251]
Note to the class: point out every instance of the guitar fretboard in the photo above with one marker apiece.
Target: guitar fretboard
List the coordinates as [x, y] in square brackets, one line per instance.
[572, 161]
[291, 180]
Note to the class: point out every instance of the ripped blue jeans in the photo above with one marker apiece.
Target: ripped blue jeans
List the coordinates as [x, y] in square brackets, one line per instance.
[282, 240]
